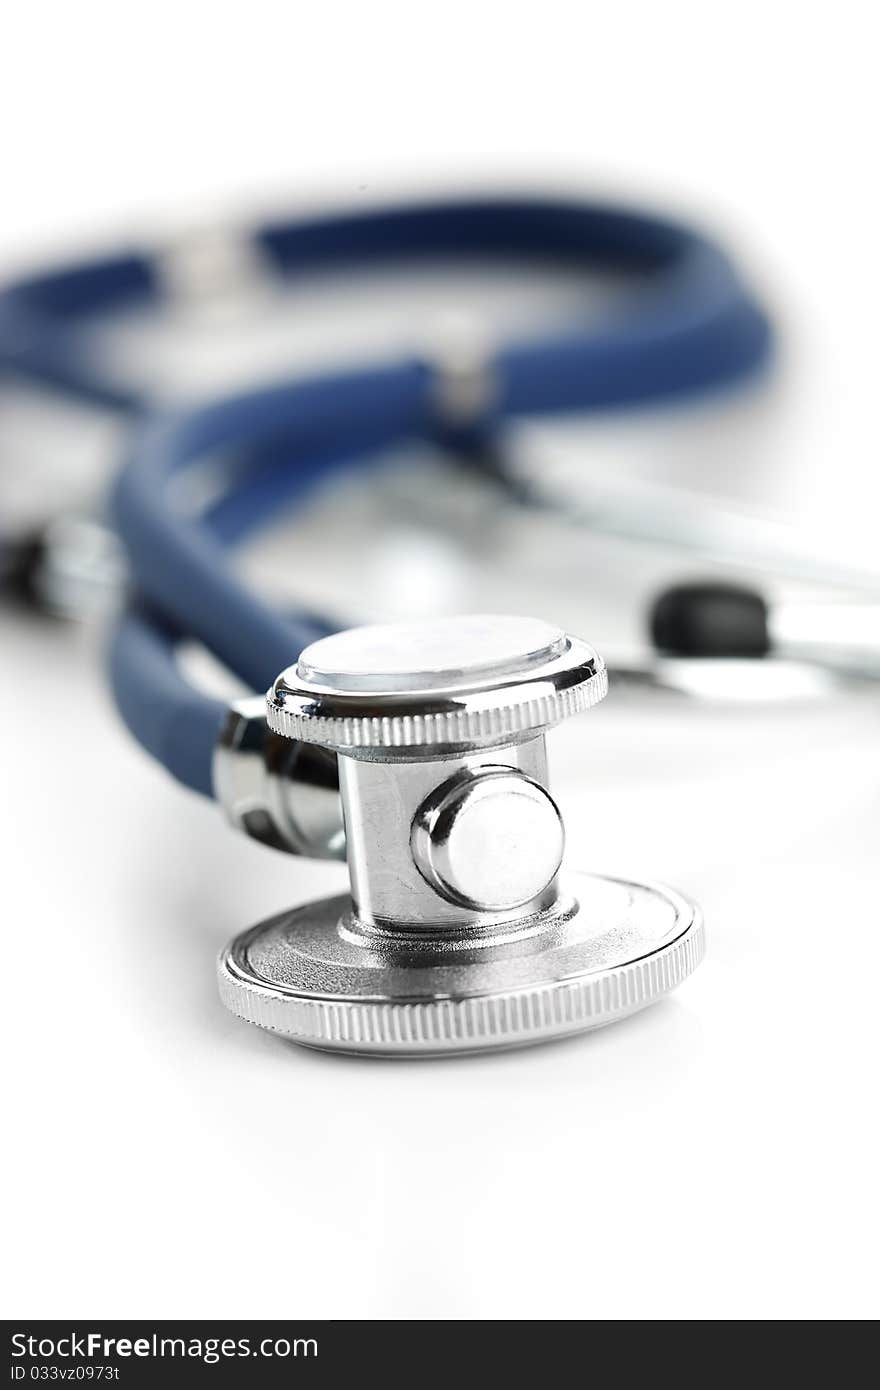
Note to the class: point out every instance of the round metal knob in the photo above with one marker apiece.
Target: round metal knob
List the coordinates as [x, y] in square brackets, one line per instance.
[490, 839]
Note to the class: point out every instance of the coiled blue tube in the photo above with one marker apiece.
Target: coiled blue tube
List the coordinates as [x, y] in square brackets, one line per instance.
[689, 325]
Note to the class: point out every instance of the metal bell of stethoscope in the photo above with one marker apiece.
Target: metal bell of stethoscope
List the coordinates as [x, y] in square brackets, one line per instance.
[462, 932]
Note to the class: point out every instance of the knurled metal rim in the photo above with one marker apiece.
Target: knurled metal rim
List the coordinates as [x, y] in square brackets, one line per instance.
[471, 1023]
[506, 713]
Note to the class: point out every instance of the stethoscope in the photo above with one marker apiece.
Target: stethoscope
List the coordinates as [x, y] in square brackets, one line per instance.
[403, 747]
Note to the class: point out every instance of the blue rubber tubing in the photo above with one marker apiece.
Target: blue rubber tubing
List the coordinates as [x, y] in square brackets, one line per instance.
[691, 325]
[171, 719]
[175, 722]
[691, 289]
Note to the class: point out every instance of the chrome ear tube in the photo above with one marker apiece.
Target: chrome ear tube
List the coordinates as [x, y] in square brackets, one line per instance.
[463, 931]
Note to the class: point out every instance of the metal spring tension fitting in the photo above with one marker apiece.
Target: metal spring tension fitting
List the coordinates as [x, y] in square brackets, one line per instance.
[460, 934]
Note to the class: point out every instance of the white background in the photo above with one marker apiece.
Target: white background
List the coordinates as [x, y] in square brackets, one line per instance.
[713, 1158]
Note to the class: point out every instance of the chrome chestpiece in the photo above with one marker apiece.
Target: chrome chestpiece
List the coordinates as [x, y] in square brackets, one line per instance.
[461, 932]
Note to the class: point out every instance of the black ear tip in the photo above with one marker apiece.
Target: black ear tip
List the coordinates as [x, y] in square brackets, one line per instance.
[710, 620]
[20, 561]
